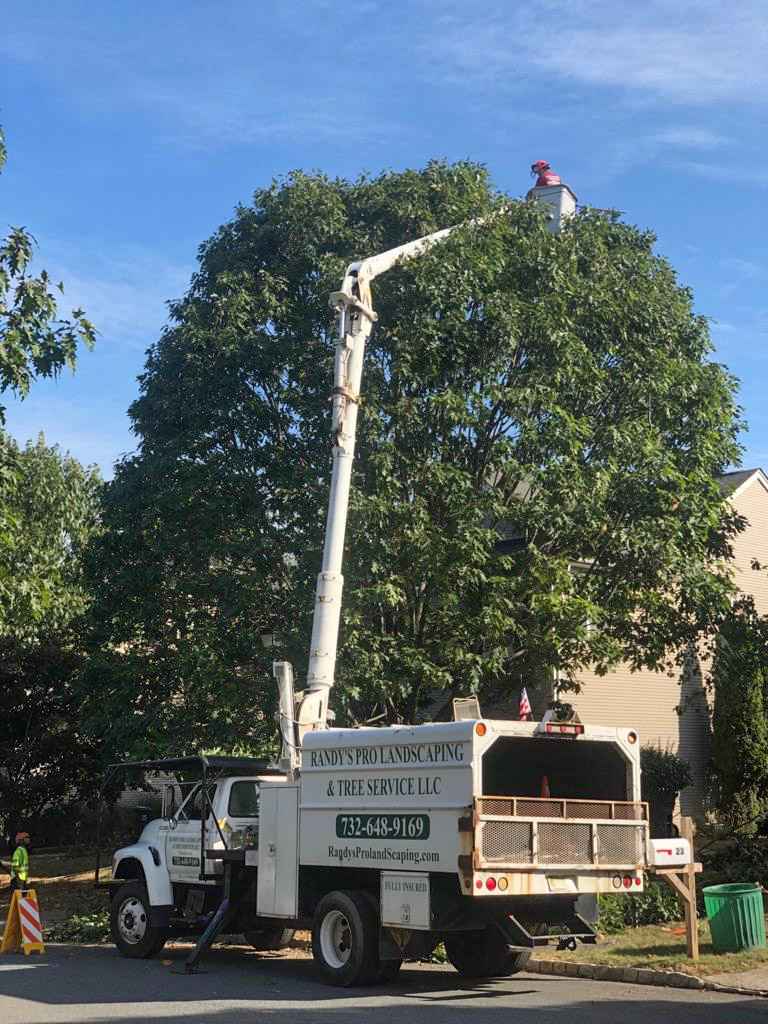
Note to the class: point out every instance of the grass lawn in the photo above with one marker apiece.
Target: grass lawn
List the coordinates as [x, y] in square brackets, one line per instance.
[661, 947]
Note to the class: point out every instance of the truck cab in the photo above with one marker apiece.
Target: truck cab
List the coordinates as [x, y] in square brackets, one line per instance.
[170, 880]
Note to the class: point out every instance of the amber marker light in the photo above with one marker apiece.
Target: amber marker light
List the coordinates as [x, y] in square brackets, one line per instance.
[481, 728]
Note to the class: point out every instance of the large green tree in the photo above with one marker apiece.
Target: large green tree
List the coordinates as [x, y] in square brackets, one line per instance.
[48, 511]
[556, 390]
[53, 503]
[35, 340]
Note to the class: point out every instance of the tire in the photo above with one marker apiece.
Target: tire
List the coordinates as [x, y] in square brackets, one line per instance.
[129, 921]
[484, 954]
[345, 939]
[265, 939]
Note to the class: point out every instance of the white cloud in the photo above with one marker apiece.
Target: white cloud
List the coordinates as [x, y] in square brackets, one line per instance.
[690, 137]
[725, 172]
[204, 90]
[748, 269]
[124, 293]
[691, 53]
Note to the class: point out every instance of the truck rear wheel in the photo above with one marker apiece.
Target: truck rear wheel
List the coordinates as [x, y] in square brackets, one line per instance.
[345, 939]
[130, 922]
[484, 954]
[269, 938]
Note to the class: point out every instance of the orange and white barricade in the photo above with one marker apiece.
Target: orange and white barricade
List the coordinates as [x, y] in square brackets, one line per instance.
[23, 928]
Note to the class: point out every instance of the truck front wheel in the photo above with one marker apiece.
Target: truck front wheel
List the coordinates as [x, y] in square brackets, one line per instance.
[345, 939]
[484, 954]
[130, 922]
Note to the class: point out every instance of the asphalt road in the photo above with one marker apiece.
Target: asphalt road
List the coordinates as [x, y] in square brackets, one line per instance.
[85, 986]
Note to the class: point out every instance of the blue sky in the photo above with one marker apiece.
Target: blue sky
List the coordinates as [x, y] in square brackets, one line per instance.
[134, 129]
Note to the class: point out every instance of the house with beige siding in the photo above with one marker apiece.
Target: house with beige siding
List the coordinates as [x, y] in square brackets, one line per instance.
[673, 711]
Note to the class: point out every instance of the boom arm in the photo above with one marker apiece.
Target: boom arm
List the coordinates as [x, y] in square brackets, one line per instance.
[354, 306]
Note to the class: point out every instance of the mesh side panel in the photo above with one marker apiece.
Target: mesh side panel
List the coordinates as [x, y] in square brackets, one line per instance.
[630, 812]
[496, 807]
[593, 809]
[540, 808]
[619, 844]
[508, 841]
[564, 843]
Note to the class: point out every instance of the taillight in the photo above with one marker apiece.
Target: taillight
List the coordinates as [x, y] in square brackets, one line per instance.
[627, 882]
[490, 884]
[479, 883]
[563, 730]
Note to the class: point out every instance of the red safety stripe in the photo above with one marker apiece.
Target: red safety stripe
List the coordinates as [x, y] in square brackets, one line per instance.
[32, 917]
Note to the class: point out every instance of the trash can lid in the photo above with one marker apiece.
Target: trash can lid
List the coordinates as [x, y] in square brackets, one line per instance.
[731, 889]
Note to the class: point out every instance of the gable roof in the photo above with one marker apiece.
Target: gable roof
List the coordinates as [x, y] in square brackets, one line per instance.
[733, 483]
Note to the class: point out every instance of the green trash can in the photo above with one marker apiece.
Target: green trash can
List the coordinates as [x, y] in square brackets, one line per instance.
[735, 915]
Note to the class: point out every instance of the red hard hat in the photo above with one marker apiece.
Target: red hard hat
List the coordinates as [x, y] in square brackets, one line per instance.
[540, 165]
[22, 835]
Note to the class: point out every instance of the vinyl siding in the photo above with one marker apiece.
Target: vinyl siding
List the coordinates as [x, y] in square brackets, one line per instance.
[648, 701]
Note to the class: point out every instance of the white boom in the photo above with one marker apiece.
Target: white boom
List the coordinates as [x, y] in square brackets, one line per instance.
[354, 306]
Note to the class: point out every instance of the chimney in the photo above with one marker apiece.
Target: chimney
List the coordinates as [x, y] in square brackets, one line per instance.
[551, 191]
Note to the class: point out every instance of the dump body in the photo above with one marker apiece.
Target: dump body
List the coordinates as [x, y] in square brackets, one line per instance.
[465, 798]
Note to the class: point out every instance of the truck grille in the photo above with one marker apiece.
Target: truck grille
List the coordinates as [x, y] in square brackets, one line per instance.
[534, 835]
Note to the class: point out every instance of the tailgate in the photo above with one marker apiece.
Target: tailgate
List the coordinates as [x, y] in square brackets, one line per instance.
[525, 832]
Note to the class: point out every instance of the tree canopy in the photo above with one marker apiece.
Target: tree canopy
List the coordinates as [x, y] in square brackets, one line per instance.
[52, 504]
[535, 487]
[35, 341]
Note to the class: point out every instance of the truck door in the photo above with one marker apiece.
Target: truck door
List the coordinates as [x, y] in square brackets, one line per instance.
[182, 844]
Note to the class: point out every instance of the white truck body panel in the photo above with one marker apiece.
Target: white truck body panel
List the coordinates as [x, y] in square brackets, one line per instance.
[278, 877]
[386, 798]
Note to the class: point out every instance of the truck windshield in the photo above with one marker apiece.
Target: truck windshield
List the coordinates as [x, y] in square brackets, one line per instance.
[244, 800]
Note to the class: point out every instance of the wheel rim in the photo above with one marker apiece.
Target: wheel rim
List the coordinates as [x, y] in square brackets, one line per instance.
[335, 939]
[132, 920]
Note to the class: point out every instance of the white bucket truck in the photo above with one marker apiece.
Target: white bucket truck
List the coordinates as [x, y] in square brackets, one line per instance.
[386, 841]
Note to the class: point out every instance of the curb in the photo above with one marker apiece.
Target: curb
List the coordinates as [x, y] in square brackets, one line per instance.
[636, 976]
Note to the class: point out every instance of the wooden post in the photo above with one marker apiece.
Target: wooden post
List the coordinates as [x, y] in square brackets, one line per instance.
[691, 917]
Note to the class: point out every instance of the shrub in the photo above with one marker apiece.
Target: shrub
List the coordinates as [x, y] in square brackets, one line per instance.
[739, 721]
[664, 774]
[81, 928]
[656, 905]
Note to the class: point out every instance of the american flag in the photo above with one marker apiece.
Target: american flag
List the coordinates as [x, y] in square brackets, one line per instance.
[525, 706]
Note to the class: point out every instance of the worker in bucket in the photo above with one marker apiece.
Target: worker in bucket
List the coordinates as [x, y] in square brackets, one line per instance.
[19, 866]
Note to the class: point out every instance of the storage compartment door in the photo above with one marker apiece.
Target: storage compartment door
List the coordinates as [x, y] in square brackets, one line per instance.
[278, 880]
